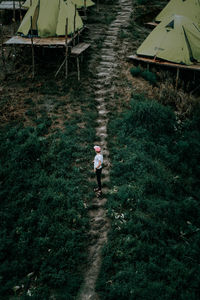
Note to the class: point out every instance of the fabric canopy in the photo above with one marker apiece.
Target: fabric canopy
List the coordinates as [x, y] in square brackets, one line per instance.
[175, 39]
[49, 18]
[187, 8]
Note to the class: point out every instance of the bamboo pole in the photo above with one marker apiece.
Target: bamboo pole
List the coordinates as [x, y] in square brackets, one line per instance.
[177, 77]
[60, 67]
[13, 17]
[74, 41]
[32, 47]
[2, 52]
[20, 11]
[78, 68]
[85, 8]
[66, 49]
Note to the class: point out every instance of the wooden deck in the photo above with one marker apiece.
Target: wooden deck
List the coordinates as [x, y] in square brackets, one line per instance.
[195, 67]
[8, 5]
[79, 49]
[39, 42]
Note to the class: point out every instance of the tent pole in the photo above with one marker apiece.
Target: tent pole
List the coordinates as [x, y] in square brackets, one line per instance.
[177, 77]
[66, 49]
[32, 47]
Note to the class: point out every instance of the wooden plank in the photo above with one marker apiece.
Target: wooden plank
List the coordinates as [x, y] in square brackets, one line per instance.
[79, 49]
[50, 42]
[195, 67]
[151, 24]
[8, 5]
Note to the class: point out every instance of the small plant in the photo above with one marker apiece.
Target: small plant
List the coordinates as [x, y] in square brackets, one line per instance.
[135, 71]
[123, 34]
[149, 76]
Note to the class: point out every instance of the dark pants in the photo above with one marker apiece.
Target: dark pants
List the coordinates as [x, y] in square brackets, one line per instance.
[98, 174]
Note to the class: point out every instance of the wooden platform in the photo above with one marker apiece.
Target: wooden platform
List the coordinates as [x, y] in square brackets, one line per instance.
[40, 42]
[137, 58]
[79, 49]
[8, 5]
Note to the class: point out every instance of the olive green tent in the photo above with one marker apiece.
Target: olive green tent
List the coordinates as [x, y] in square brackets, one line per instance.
[82, 3]
[78, 3]
[187, 8]
[49, 18]
[175, 39]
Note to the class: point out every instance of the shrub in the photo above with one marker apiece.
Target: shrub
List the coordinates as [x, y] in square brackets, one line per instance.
[149, 76]
[135, 71]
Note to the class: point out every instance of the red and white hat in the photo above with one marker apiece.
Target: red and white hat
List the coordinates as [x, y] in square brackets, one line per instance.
[97, 148]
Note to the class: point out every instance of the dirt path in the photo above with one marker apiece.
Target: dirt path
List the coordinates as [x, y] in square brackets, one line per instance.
[106, 73]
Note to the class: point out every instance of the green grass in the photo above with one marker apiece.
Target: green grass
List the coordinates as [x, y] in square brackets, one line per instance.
[153, 245]
[43, 180]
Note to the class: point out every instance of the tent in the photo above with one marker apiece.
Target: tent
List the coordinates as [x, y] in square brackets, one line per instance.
[187, 8]
[82, 3]
[49, 18]
[175, 39]
[78, 3]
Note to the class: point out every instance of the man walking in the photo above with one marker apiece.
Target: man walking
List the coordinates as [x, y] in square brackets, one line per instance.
[98, 164]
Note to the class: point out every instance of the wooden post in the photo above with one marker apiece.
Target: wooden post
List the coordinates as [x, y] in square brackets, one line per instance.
[177, 77]
[2, 52]
[74, 41]
[20, 11]
[85, 8]
[32, 47]
[78, 38]
[78, 68]
[13, 17]
[98, 5]
[66, 49]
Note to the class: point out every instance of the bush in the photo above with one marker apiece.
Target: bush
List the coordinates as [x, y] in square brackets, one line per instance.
[135, 71]
[149, 76]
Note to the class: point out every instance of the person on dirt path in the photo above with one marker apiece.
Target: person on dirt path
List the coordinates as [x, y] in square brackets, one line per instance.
[98, 164]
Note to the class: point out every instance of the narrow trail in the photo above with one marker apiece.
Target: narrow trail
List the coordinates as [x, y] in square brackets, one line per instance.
[104, 86]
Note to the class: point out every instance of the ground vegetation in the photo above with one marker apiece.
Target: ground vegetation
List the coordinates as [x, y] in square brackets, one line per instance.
[152, 250]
